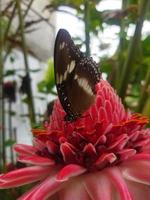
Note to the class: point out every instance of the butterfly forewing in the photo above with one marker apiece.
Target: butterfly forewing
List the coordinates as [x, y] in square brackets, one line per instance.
[75, 76]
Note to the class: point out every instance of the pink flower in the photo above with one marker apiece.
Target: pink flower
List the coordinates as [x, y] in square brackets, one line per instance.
[104, 155]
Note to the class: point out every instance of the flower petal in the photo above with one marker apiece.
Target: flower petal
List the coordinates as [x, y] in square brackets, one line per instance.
[98, 186]
[138, 171]
[70, 171]
[74, 190]
[115, 175]
[138, 191]
[105, 159]
[24, 149]
[23, 176]
[36, 160]
[46, 189]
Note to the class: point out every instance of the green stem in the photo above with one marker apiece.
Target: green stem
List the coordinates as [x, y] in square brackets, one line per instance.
[116, 80]
[2, 118]
[9, 23]
[131, 52]
[144, 92]
[87, 26]
[10, 129]
[18, 29]
[30, 97]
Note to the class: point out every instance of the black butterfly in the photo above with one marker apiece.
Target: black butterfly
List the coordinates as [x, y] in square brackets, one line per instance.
[75, 75]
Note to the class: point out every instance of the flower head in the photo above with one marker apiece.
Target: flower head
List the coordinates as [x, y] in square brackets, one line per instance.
[99, 156]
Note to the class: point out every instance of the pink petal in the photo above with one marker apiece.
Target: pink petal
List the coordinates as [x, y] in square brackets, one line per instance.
[93, 112]
[25, 149]
[124, 154]
[52, 147]
[67, 151]
[36, 160]
[119, 183]
[38, 143]
[138, 171]
[27, 195]
[119, 143]
[89, 149]
[70, 171]
[98, 186]
[138, 191]
[105, 159]
[108, 107]
[141, 156]
[23, 176]
[102, 115]
[46, 189]
[74, 190]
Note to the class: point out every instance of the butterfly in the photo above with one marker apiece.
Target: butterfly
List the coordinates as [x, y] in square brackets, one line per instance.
[75, 76]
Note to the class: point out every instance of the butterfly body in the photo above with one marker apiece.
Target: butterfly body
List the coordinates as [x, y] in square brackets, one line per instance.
[75, 75]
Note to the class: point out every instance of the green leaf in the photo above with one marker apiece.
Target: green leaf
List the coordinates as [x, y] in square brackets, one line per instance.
[35, 70]
[146, 46]
[9, 142]
[25, 100]
[9, 72]
[48, 82]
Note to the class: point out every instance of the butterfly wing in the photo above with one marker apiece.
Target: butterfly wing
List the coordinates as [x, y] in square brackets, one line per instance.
[75, 76]
[82, 88]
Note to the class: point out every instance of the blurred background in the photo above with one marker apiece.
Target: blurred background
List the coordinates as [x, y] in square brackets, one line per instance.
[116, 33]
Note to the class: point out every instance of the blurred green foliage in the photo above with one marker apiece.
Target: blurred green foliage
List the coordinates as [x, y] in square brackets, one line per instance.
[47, 84]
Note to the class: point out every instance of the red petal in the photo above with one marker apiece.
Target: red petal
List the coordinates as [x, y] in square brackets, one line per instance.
[52, 147]
[36, 160]
[126, 153]
[105, 159]
[98, 186]
[46, 189]
[74, 190]
[90, 150]
[137, 171]
[39, 144]
[119, 142]
[139, 191]
[23, 176]
[70, 171]
[42, 191]
[119, 183]
[24, 149]
[67, 151]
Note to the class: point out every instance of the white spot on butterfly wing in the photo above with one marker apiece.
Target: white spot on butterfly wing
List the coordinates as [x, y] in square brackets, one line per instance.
[68, 66]
[60, 79]
[65, 75]
[76, 77]
[72, 66]
[62, 45]
[83, 83]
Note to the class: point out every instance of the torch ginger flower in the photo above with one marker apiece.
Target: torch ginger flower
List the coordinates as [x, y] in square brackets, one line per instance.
[103, 155]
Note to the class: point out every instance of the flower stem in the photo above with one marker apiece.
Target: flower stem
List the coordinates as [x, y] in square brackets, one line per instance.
[127, 69]
[30, 97]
